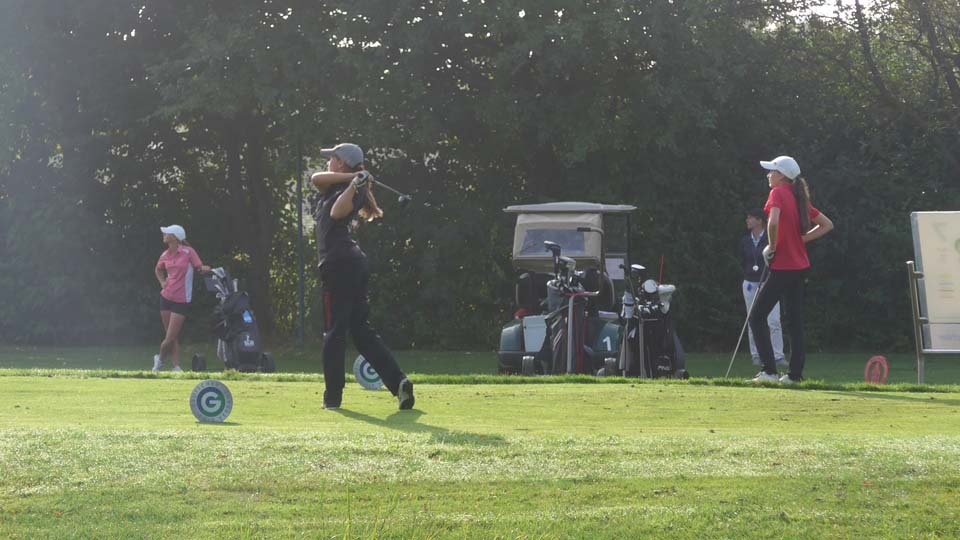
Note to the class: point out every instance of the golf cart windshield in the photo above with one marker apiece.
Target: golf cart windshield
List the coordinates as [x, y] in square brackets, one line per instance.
[572, 242]
[577, 233]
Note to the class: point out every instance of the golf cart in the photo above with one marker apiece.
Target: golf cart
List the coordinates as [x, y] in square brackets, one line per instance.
[566, 318]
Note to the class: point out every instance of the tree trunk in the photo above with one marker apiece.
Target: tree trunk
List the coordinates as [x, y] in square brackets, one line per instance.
[261, 215]
[941, 62]
[867, 50]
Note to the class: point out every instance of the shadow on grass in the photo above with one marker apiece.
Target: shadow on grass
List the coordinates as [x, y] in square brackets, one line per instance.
[216, 424]
[911, 398]
[408, 421]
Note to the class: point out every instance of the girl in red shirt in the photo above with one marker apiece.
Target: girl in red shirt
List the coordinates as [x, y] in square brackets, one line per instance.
[788, 231]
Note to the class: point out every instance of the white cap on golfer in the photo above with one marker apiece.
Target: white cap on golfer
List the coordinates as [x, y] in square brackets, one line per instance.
[175, 230]
[785, 165]
[350, 153]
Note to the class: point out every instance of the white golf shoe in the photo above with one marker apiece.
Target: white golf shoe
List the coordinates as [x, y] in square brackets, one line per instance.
[157, 364]
[405, 394]
[787, 380]
[763, 376]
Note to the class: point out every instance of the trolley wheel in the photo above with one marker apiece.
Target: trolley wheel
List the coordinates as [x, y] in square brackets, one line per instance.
[267, 363]
[527, 366]
[199, 363]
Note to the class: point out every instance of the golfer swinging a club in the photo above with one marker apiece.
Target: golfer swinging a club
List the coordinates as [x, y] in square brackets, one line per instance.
[790, 215]
[345, 195]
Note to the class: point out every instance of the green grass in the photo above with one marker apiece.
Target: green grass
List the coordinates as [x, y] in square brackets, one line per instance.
[94, 446]
[87, 457]
[289, 359]
[829, 367]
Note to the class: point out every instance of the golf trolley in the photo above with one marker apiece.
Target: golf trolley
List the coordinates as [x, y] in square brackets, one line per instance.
[568, 302]
[565, 321]
[650, 346]
[238, 338]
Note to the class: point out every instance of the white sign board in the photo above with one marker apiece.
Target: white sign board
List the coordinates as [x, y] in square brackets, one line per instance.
[936, 243]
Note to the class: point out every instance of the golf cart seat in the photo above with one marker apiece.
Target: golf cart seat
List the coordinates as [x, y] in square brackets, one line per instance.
[531, 290]
[594, 280]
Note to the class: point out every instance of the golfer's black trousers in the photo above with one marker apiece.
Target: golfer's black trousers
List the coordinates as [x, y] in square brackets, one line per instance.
[345, 310]
[786, 287]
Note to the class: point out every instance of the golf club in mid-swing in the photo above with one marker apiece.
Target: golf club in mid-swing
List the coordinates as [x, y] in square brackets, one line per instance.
[763, 281]
[403, 199]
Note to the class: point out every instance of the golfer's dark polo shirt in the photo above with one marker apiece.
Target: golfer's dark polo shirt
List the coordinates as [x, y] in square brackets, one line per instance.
[333, 235]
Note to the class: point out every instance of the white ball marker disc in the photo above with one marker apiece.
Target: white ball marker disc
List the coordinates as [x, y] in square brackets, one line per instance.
[211, 401]
[366, 375]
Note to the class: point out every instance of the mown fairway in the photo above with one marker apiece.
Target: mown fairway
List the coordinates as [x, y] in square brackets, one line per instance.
[124, 458]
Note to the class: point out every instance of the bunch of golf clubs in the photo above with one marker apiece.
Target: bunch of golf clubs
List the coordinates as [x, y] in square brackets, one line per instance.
[648, 303]
[566, 290]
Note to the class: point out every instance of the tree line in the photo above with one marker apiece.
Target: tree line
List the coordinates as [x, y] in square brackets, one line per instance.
[121, 116]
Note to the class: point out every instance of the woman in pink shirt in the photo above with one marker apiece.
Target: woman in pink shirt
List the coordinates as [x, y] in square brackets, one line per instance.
[174, 271]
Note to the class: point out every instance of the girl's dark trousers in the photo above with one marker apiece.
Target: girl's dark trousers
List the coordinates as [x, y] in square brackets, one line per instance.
[346, 309]
[785, 286]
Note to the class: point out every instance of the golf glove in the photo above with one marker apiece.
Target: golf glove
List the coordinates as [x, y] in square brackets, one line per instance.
[360, 179]
[768, 254]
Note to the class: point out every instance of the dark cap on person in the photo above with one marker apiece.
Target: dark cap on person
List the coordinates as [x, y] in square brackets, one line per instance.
[349, 153]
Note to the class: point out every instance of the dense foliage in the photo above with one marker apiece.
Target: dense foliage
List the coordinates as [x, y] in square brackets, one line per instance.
[117, 117]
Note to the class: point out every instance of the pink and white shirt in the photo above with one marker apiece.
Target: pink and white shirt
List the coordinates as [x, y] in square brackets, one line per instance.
[179, 267]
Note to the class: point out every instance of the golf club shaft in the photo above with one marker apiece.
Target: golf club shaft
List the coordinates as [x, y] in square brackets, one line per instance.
[381, 184]
[753, 302]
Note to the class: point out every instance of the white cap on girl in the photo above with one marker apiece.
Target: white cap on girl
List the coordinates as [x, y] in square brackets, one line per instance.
[175, 230]
[785, 164]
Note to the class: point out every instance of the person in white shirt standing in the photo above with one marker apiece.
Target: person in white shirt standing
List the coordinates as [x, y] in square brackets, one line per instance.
[754, 266]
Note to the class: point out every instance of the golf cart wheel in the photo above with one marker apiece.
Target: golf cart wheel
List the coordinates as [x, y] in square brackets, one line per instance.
[527, 366]
[267, 363]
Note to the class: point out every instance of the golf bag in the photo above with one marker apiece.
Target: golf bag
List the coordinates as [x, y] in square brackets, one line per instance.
[553, 357]
[565, 348]
[662, 354]
[238, 338]
[650, 347]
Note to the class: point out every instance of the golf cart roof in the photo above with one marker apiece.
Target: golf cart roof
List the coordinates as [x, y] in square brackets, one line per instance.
[577, 226]
[570, 207]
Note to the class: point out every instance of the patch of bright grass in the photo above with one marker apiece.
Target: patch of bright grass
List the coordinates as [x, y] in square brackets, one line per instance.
[833, 368]
[124, 458]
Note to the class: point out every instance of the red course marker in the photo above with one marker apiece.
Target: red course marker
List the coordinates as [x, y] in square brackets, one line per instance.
[876, 370]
